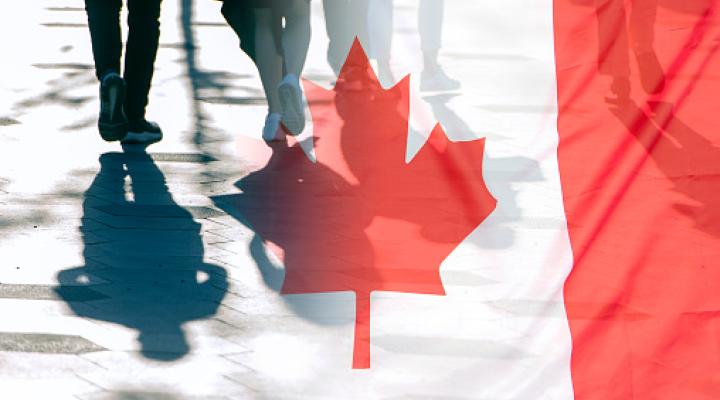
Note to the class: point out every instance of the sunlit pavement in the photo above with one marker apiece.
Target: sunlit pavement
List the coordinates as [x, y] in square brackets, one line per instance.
[122, 279]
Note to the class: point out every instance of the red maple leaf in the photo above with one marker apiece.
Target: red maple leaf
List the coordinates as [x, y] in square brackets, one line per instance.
[361, 218]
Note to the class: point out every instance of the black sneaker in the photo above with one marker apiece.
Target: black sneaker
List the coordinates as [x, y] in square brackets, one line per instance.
[142, 131]
[112, 123]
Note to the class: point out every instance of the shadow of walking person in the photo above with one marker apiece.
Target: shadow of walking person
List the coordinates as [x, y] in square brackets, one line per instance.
[149, 251]
[361, 218]
[688, 160]
[282, 203]
[623, 26]
[503, 173]
[380, 16]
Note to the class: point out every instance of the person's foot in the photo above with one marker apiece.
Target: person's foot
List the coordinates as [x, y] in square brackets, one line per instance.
[619, 90]
[272, 131]
[142, 131]
[112, 122]
[437, 80]
[293, 113]
[652, 76]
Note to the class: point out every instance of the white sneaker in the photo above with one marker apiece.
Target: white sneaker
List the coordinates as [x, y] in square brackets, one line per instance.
[271, 130]
[293, 113]
[437, 81]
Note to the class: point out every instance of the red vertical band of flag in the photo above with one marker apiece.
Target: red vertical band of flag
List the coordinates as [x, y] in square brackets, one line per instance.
[641, 184]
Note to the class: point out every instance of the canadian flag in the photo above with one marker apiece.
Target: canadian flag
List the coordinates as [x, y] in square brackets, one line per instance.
[595, 276]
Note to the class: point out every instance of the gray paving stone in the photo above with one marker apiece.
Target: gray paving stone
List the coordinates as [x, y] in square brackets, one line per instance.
[31, 376]
[44, 199]
[160, 211]
[48, 292]
[138, 222]
[193, 376]
[46, 343]
[151, 198]
[182, 157]
[136, 154]
[129, 395]
[452, 347]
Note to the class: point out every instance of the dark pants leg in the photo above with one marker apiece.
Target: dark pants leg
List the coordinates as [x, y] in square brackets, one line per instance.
[142, 46]
[239, 16]
[104, 23]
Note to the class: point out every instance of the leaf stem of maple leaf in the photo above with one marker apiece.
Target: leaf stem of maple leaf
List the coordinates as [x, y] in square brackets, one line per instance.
[361, 350]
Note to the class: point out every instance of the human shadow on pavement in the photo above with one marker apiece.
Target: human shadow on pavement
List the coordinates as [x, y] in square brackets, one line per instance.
[505, 173]
[361, 218]
[686, 158]
[144, 256]
[624, 27]
[276, 204]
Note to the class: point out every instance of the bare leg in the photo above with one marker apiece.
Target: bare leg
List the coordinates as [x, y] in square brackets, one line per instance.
[430, 24]
[344, 21]
[380, 31]
[430, 20]
[295, 42]
[296, 36]
[267, 58]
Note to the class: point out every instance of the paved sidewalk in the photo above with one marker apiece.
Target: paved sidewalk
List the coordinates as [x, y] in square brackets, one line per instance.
[120, 278]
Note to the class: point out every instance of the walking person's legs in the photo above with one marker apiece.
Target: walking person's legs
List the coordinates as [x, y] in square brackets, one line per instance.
[256, 28]
[268, 57]
[337, 17]
[142, 46]
[269, 61]
[613, 57]
[346, 20]
[240, 18]
[267, 40]
[430, 25]
[642, 38]
[105, 34]
[430, 20]
[642, 25]
[295, 43]
[359, 9]
[380, 31]
[296, 36]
